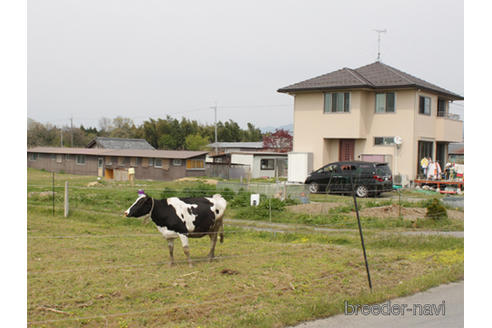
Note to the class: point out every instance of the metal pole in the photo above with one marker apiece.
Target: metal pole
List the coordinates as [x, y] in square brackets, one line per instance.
[53, 191]
[361, 235]
[215, 113]
[65, 213]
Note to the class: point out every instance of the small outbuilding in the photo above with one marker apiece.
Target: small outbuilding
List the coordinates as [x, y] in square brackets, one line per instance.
[115, 163]
[253, 164]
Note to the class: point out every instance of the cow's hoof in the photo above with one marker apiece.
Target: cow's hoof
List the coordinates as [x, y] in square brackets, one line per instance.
[171, 264]
[211, 258]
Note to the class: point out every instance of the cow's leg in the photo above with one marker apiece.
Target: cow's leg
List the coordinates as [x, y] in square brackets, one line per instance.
[170, 244]
[213, 241]
[186, 248]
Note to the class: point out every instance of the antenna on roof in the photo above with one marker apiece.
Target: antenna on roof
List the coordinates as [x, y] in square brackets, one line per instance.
[379, 41]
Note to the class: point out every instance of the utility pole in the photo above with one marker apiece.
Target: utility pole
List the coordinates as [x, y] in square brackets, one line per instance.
[215, 113]
[71, 131]
[379, 42]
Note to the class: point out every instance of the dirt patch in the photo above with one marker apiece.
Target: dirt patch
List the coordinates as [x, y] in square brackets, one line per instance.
[207, 181]
[313, 208]
[411, 213]
[390, 211]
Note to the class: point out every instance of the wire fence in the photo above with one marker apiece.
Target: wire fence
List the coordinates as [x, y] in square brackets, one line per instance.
[110, 201]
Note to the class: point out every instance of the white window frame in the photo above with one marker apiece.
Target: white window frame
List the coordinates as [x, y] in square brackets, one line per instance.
[267, 166]
[151, 161]
[59, 158]
[155, 162]
[430, 106]
[385, 102]
[177, 162]
[387, 141]
[33, 156]
[331, 103]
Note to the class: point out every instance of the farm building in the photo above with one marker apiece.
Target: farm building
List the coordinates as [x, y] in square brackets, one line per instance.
[119, 143]
[373, 113]
[114, 163]
[233, 165]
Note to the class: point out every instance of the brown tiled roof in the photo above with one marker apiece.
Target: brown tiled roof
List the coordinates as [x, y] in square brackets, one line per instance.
[170, 154]
[373, 76]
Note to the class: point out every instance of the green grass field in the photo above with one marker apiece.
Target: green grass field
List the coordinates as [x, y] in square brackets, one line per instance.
[97, 268]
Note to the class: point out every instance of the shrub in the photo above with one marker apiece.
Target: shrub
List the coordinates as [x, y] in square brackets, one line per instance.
[435, 210]
[228, 194]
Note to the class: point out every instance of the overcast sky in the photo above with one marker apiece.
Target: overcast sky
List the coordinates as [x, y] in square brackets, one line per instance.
[149, 58]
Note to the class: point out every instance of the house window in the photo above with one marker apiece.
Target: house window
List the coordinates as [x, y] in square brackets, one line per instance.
[151, 162]
[80, 159]
[53, 156]
[138, 161]
[67, 157]
[33, 156]
[385, 102]
[177, 162]
[425, 105]
[133, 161]
[441, 107]
[337, 102]
[121, 161]
[267, 164]
[108, 160]
[195, 164]
[381, 141]
[59, 158]
[158, 162]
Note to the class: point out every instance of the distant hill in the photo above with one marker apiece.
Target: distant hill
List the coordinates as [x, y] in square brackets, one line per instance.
[288, 127]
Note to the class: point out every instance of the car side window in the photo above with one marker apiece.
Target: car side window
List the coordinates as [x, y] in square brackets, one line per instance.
[331, 168]
[347, 167]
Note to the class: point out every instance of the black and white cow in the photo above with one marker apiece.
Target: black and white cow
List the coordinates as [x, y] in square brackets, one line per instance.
[182, 218]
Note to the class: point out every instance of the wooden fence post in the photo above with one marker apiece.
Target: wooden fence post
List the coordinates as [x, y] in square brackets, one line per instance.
[66, 208]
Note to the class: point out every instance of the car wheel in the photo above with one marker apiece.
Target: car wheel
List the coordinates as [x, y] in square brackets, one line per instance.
[361, 191]
[313, 187]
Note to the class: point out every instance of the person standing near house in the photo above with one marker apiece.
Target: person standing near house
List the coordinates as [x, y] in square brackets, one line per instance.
[424, 163]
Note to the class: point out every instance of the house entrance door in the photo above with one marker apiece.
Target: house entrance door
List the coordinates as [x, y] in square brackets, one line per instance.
[425, 150]
[441, 153]
[100, 164]
[347, 150]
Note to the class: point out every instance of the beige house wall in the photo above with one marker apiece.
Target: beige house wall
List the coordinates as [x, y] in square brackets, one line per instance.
[319, 132]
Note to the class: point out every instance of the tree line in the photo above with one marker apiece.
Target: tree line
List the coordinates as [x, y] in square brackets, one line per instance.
[168, 133]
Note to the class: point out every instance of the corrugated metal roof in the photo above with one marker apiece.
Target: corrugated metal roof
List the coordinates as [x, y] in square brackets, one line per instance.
[169, 154]
[258, 144]
[456, 148]
[120, 143]
[373, 76]
[265, 153]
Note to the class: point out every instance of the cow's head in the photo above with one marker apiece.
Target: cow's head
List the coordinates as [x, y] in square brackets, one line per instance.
[142, 206]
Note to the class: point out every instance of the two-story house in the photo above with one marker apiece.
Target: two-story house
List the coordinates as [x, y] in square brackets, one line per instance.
[357, 113]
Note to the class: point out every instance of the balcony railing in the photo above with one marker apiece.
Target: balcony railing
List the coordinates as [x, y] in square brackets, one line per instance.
[450, 116]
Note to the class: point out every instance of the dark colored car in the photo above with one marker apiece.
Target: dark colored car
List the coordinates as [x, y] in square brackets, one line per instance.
[367, 178]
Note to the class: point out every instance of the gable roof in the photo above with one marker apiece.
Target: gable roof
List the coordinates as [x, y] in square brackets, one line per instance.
[119, 143]
[373, 76]
[168, 154]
